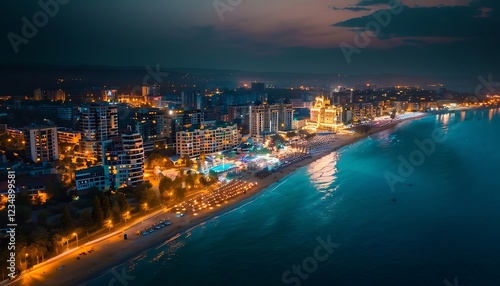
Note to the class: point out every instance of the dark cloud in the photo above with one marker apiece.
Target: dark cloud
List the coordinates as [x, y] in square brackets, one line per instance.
[374, 2]
[355, 9]
[150, 32]
[451, 22]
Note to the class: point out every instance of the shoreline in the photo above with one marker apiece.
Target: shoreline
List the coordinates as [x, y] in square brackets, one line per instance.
[114, 251]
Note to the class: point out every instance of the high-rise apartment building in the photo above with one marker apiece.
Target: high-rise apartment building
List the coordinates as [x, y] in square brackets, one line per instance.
[38, 94]
[122, 165]
[41, 143]
[123, 160]
[239, 114]
[56, 95]
[191, 99]
[151, 90]
[97, 123]
[152, 124]
[268, 119]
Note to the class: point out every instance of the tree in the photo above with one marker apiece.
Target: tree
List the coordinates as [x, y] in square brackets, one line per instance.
[40, 237]
[121, 202]
[165, 184]
[66, 220]
[23, 199]
[151, 198]
[57, 241]
[180, 193]
[97, 213]
[38, 201]
[212, 175]
[147, 185]
[204, 181]
[125, 216]
[86, 221]
[23, 214]
[187, 161]
[105, 206]
[42, 217]
[190, 180]
[277, 139]
[56, 190]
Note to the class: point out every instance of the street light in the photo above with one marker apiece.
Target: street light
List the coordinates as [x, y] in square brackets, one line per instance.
[26, 260]
[74, 233]
[110, 225]
[67, 247]
[125, 217]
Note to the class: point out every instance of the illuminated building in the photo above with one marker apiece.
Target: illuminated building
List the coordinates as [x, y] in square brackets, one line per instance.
[325, 115]
[65, 135]
[41, 143]
[269, 119]
[56, 95]
[123, 160]
[206, 140]
[154, 125]
[122, 164]
[109, 95]
[97, 123]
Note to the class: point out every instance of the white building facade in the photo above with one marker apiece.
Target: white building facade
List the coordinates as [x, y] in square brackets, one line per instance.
[208, 140]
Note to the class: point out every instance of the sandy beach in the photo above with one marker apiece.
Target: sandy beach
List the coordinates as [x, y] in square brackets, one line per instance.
[115, 250]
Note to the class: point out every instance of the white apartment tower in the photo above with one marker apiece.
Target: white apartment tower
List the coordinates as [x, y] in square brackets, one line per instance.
[97, 123]
[41, 143]
[269, 119]
[123, 160]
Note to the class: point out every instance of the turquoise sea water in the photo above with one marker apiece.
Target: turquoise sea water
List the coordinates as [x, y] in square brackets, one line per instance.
[442, 228]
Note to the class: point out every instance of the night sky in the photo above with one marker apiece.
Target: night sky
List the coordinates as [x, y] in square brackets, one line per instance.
[424, 37]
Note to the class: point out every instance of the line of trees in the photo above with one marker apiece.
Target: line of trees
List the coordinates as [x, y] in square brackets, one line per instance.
[37, 241]
[178, 188]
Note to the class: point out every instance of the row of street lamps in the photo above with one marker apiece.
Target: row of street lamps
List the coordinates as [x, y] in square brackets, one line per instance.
[108, 224]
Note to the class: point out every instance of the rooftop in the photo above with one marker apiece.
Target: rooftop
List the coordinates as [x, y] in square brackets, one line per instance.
[94, 169]
[213, 127]
[29, 181]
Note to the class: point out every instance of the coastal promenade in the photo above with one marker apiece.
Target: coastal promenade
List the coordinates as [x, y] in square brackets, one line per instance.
[114, 250]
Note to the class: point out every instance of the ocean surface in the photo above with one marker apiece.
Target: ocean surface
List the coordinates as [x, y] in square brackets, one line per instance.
[353, 218]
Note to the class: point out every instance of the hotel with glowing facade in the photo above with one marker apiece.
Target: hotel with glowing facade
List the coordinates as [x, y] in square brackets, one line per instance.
[206, 140]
